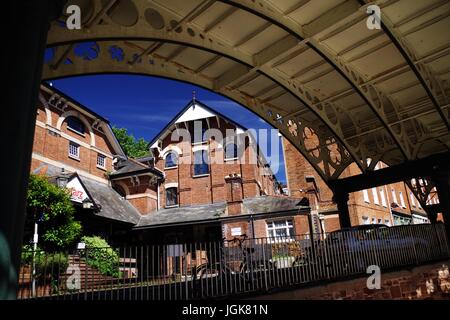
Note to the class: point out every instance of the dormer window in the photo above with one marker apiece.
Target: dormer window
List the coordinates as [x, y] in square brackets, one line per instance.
[171, 160]
[75, 124]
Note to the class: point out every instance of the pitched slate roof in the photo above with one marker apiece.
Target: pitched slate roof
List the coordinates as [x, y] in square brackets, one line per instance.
[270, 204]
[111, 205]
[262, 205]
[134, 167]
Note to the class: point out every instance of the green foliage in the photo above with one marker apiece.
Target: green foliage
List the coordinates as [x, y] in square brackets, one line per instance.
[27, 253]
[54, 263]
[48, 264]
[132, 147]
[101, 256]
[52, 205]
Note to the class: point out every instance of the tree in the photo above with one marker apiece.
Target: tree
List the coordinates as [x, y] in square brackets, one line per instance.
[52, 208]
[132, 147]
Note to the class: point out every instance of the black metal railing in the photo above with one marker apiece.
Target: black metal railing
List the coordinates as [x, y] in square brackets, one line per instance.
[224, 268]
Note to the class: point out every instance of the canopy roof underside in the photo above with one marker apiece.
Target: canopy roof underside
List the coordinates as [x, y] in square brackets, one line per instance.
[340, 92]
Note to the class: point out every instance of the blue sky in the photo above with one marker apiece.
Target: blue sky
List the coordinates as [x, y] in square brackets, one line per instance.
[145, 104]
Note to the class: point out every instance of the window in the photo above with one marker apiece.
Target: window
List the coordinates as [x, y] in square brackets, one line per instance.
[374, 220]
[200, 128]
[201, 166]
[366, 196]
[413, 202]
[402, 200]
[171, 197]
[101, 161]
[75, 124]
[280, 229]
[231, 151]
[74, 150]
[380, 221]
[394, 196]
[366, 220]
[387, 222]
[375, 196]
[171, 160]
[383, 198]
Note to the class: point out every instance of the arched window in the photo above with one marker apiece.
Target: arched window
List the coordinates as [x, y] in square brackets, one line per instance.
[171, 160]
[231, 151]
[171, 197]
[75, 124]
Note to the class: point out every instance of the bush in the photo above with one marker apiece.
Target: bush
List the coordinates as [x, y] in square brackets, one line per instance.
[101, 256]
[47, 264]
[54, 263]
[27, 253]
[52, 208]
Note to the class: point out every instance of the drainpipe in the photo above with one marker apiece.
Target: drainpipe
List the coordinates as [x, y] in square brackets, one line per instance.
[157, 195]
[252, 225]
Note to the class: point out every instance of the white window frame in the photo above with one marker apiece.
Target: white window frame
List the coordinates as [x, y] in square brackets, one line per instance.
[413, 201]
[383, 198]
[366, 196]
[165, 159]
[99, 164]
[287, 227]
[74, 146]
[177, 204]
[394, 196]
[375, 196]
[365, 220]
[402, 199]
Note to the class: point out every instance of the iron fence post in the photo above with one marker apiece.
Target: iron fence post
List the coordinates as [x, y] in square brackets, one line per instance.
[414, 245]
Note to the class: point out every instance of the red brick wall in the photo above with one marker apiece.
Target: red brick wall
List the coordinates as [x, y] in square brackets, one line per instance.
[51, 143]
[331, 224]
[298, 168]
[142, 194]
[211, 188]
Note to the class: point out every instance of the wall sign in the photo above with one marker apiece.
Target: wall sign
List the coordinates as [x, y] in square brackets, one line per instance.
[236, 231]
[77, 192]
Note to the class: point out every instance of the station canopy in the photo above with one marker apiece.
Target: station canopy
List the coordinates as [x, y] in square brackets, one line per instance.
[342, 93]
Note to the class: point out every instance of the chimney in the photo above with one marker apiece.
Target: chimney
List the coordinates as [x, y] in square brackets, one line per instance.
[234, 194]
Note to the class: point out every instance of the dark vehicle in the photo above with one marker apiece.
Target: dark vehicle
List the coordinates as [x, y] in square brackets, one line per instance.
[364, 245]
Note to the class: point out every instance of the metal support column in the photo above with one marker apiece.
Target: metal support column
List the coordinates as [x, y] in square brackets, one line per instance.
[341, 200]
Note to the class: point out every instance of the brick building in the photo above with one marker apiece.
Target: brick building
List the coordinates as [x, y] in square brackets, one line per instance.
[76, 148]
[205, 178]
[391, 204]
[208, 180]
